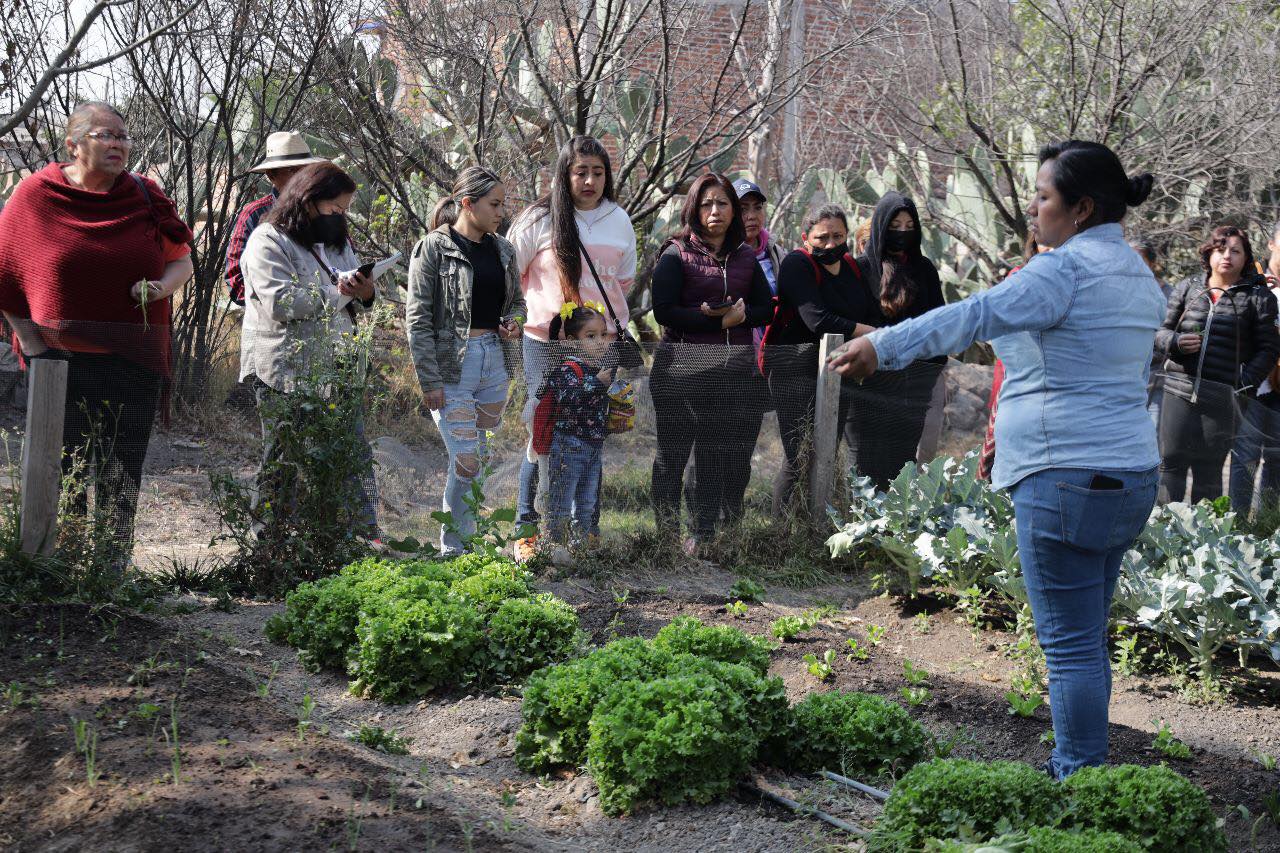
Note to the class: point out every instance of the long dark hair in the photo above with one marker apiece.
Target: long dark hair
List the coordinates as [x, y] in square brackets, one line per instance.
[1091, 169]
[691, 222]
[898, 285]
[315, 183]
[566, 244]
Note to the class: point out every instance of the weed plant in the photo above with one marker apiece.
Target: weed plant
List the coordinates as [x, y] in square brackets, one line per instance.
[308, 523]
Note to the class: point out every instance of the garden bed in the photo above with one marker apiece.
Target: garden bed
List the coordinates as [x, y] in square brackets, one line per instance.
[248, 779]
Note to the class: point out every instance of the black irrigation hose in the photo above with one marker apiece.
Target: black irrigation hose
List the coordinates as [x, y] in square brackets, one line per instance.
[858, 786]
[807, 810]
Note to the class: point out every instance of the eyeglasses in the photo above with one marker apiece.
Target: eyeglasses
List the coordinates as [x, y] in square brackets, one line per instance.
[108, 136]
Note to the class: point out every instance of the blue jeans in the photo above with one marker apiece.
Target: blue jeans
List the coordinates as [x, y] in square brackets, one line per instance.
[537, 358]
[472, 407]
[1257, 442]
[1071, 539]
[574, 486]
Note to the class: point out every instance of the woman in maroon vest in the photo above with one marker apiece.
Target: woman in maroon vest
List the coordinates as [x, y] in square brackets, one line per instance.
[708, 293]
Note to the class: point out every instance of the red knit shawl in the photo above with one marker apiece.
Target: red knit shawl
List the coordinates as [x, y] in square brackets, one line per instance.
[69, 258]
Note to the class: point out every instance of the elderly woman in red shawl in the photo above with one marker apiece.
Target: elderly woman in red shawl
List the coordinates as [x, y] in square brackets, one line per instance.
[90, 255]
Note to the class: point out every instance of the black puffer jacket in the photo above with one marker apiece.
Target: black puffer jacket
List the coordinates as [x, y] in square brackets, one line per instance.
[1241, 343]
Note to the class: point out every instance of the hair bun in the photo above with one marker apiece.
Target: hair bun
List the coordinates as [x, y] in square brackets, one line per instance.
[1139, 189]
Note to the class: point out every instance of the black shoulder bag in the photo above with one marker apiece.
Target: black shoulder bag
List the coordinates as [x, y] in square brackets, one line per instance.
[626, 347]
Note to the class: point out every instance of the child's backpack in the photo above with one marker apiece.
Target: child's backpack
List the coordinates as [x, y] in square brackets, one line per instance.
[546, 412]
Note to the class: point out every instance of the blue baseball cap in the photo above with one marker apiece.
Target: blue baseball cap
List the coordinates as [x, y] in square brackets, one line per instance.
[744, 188]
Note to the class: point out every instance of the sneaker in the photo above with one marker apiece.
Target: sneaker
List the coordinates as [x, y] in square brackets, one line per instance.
[525, 549]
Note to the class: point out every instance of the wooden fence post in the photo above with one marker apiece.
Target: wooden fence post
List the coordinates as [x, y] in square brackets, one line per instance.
[826, 433]
[42, 453]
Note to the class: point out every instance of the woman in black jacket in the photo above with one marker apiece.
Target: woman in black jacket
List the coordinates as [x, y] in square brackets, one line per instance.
[1219, 338]
[820, 291]
[888, 410]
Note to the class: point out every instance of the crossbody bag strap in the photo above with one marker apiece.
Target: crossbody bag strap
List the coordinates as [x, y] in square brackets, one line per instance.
[333, 279]
[604, 294]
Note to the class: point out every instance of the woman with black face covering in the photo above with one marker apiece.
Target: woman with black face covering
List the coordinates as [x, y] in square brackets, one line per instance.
[820, 291]
[887, 412]
[300, 298]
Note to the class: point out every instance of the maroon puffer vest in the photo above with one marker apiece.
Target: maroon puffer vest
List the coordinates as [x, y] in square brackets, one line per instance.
[709, 280]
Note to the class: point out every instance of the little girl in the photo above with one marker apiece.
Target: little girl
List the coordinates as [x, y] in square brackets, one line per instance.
[579, 407]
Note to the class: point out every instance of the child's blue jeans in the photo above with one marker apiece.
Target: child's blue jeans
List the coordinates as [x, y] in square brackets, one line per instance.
[574, 486]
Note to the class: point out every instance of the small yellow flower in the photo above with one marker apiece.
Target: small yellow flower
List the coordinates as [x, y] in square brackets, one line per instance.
[333, 406]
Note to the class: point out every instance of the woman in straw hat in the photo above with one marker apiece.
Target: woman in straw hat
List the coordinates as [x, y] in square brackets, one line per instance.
[287, 152]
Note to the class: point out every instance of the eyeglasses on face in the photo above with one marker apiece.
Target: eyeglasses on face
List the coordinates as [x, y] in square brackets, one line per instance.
[108, 136]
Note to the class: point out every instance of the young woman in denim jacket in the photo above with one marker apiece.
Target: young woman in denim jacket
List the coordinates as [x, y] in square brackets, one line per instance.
[1074, 328]
[464, 303]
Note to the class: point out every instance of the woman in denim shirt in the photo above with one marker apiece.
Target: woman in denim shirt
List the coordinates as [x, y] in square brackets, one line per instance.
[1074, 329]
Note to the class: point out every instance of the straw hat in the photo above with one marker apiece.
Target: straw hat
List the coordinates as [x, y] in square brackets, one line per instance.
[286, 148]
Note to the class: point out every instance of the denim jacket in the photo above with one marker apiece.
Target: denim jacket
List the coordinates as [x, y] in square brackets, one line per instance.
[1074, 328]
[438, 308]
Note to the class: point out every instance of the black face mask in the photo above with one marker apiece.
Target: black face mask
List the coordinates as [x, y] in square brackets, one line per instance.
[829, 256]
[329, 228]
[898, 241]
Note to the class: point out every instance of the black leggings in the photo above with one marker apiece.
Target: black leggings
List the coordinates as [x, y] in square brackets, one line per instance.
[708, 401]
[110, 409]
[886, 417]
[1195, 437]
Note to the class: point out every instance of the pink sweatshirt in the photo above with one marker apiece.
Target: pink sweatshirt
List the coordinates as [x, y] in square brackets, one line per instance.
[607, 236]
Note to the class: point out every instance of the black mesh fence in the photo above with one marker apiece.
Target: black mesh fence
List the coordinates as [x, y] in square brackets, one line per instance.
[690, 443]
[560, 439]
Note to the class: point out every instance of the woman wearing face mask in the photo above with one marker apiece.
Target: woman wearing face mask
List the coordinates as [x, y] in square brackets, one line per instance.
[464, 303]
[887, 414]
[820, 291]
[576, 244]
[1077, 449]
[708, 294]
[1218, 338]
[299, 303]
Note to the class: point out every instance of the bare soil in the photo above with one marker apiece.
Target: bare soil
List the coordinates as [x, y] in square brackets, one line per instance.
[249, 780]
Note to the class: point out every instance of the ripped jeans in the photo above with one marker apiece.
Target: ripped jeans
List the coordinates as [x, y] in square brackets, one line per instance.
[472, 408]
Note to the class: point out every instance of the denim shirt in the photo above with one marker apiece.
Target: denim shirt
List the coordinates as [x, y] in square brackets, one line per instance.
[1075, 329]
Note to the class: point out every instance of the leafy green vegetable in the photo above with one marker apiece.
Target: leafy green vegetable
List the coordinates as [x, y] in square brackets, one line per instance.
[407, 649]
[1155, 806]
[526, 634]
[718, 642]
[1044, 839]
[320, 617]
[955, 798]
[747, 590]
[558, 701]
[675, 739]
[492, 585]
[787, 627]
[854, 733]
[402, 628]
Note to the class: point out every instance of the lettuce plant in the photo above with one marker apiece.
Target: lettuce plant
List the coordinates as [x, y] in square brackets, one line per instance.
[970, 800]
[681, 738]
[1154, 806]
[854, 733]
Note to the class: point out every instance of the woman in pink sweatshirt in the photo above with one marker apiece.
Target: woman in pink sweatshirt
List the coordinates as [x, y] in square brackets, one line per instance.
[575, 244]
